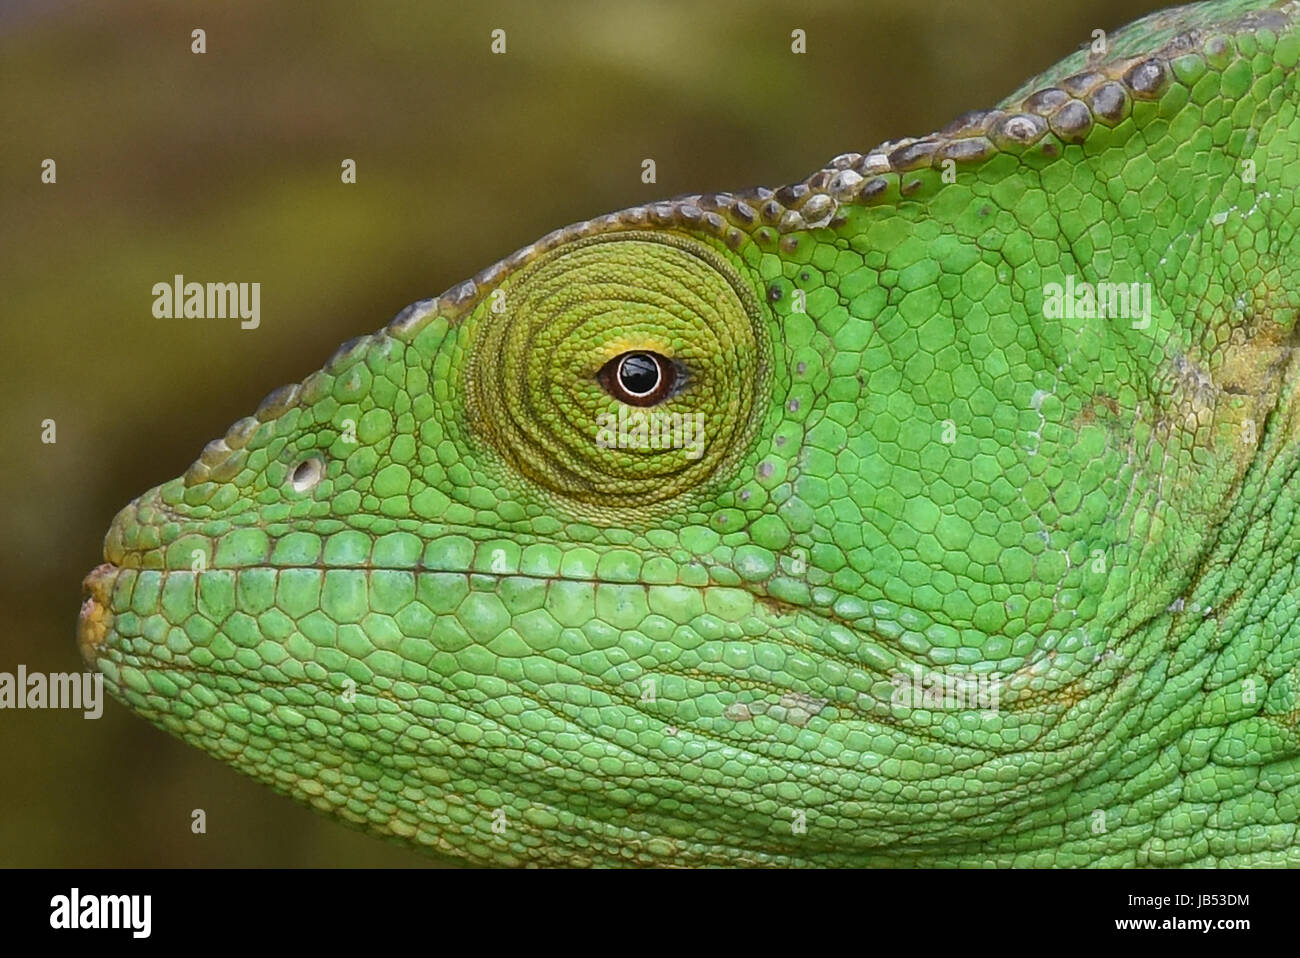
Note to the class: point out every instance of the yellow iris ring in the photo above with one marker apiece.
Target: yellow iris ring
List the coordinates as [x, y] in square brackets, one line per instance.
[541, 338]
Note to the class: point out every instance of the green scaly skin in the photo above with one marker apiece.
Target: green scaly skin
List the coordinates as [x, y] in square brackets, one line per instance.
[487, 634]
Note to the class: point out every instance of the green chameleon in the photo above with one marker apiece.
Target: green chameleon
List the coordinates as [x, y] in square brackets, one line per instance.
[940, 509]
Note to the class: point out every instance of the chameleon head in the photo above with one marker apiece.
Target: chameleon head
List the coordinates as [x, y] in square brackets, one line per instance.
[772, 528]
[603, 545]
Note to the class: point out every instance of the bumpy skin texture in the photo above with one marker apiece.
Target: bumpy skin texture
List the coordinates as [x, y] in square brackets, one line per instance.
[486, 634]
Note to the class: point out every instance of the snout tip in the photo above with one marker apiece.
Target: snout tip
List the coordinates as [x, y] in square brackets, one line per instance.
[95, 619]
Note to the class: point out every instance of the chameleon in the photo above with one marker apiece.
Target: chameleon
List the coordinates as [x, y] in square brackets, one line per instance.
[937, 510]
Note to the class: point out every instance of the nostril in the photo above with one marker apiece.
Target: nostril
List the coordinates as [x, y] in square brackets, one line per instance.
[305, 476]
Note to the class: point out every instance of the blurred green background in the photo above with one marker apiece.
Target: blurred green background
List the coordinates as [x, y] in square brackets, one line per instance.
[225, 167]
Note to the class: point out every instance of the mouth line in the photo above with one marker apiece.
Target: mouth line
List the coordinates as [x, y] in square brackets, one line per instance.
[95, 620]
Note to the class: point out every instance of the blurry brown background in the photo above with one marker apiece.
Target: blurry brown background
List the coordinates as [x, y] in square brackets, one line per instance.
[225, 167]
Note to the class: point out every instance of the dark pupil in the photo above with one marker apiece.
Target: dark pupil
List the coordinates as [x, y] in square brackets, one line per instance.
[638, 374]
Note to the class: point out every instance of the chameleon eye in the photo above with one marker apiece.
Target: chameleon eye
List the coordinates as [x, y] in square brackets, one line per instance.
[639, 378]
[666, 320]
